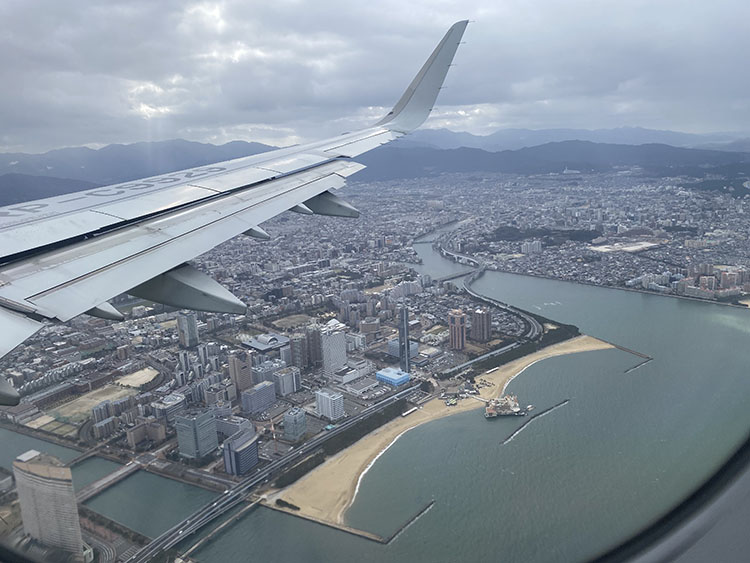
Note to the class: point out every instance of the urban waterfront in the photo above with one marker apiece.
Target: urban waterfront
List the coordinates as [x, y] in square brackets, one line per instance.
[639, 441]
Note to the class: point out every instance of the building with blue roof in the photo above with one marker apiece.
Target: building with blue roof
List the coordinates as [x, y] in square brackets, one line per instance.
[393, 376]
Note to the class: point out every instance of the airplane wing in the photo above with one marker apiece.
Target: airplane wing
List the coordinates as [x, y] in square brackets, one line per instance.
[67, 255]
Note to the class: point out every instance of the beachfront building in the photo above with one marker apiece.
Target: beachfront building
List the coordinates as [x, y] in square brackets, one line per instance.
[329, 404]
[392, 376]
[481, 324]
[295, 424]
[404, 348]
[457, 327]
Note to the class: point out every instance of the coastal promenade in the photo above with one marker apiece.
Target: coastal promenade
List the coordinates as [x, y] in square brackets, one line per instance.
[325, 493]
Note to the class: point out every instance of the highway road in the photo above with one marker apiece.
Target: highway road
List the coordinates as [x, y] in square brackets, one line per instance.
[534, 328]
[236, 494]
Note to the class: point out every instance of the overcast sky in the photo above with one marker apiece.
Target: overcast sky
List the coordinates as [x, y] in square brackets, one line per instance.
[95, 72]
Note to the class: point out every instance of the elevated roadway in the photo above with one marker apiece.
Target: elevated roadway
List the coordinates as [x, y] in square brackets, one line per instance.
[235, 495]
[534, 328]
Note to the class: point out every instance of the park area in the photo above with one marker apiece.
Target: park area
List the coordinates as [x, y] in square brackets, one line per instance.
[292, 321]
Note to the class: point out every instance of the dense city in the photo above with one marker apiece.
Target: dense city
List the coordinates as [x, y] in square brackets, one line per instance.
[339, 325]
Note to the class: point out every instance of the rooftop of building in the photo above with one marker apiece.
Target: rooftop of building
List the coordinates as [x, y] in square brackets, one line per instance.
[266, 342]
[241, 439]
[171, 399]
[361, 383]
[328, 393]
[192, 414]
[43, 465]
[392, 372]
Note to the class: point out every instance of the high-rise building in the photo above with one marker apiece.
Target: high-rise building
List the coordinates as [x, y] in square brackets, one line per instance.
[370, 327]
[180, 378]
[221, 392]
[169, 406]
[101, 411]
[531, 247]
[481, 325]
[354, 315]
[295, 424]
[104, 428]
[240, 372]
[203, 354]
[146, 428]
[457, 328]
[123, 352]
[392, 348]
[240, 452]
[287, 381]
[707, 282]
[227, 426]
[258, 398]
[334, 349]
[329, 404]
[314, 345]
[298, 345]
[266, 370]
[285, 353]
[196, 433]
[404, 355]
[49, 509]
[187, 330]
[184, 358]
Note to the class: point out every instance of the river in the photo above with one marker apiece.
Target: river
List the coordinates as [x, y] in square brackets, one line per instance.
[626, 447]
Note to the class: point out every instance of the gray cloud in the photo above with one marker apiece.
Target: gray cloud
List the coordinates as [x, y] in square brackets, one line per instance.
[98, 72]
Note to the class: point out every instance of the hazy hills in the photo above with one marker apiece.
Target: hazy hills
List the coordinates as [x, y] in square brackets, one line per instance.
[511, 139]
[33, 176]
[119, 163]
[657, 159]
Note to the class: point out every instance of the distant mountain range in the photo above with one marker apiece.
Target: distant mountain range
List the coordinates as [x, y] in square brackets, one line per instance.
[512, 139]
[120, 163]
[392, 162]
[26, 177]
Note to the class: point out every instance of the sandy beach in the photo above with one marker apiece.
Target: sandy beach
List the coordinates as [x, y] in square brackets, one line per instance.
[326, 492]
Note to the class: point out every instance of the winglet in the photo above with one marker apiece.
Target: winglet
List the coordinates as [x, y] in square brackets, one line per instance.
[417, 101]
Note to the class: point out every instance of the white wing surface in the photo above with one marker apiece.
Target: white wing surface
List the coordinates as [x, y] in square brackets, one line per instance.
[67, 255]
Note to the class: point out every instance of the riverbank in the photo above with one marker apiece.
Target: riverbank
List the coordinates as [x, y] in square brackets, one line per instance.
[326, 492]
[743, 304]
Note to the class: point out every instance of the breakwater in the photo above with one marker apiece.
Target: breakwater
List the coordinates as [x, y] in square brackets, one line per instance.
[530, 420]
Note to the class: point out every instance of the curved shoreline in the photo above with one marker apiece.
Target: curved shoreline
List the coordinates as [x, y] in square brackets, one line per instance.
[340, 516]
[329, 490]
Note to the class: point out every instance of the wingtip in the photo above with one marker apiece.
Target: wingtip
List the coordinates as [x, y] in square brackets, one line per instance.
[415, 104]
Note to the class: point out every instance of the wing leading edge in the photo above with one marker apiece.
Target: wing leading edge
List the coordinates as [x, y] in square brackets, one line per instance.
[67, 255]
